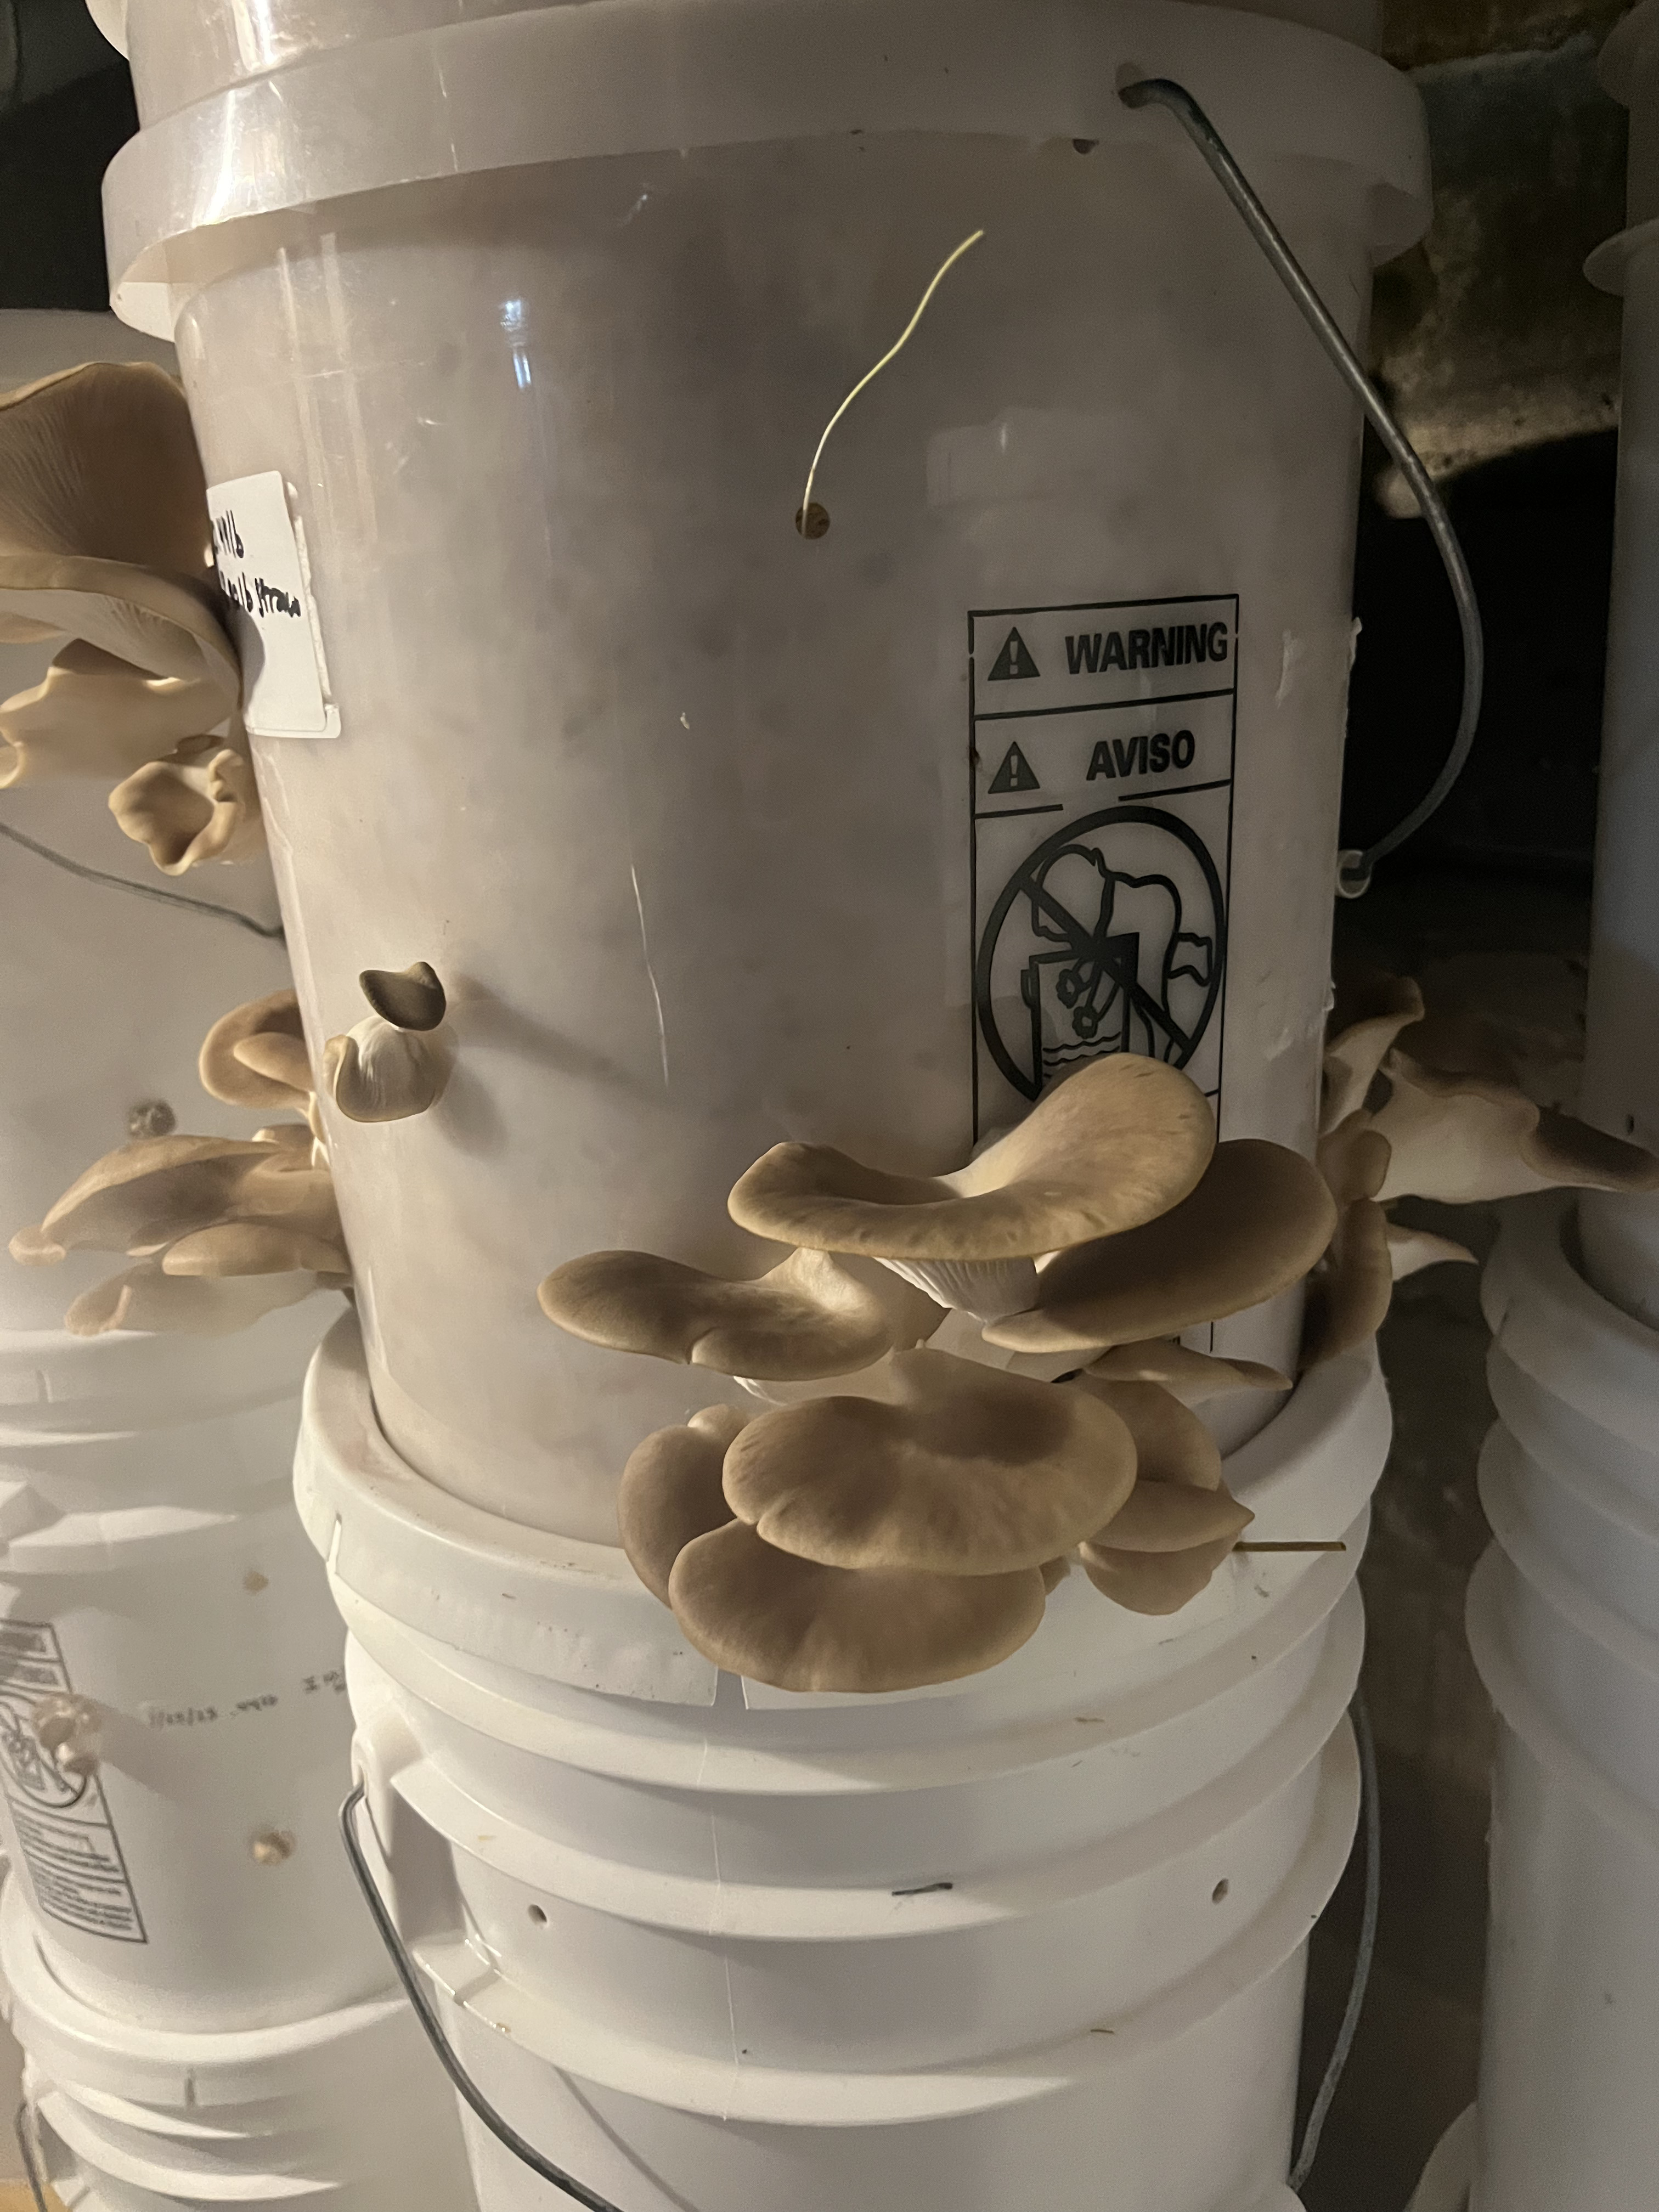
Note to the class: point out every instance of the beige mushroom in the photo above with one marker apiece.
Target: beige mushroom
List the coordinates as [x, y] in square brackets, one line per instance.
[671, 1492]
[800, 1626]
[254, 1248]
[408, 998]
[1121, 1141]
[1155, 1582]
[201, 804]
[147, 1299]
[1370, 1011]
[148, 1194]
[1258, 1220]
[1464, 1139]
[814, 1315]
[1353, 1159]
[33, 1248]
[378, 1073]
[1193, 1378]
[103, 524]
[972, 1472]
[255, 1056]
[1172, 1445]
[1349, 1293]
[92, 715]
[1054, 1573]
[1412, 1249]
[1171, 1516]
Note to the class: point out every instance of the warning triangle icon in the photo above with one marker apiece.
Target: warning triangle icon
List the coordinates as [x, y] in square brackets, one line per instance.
[1015, 772]
[1014, 660]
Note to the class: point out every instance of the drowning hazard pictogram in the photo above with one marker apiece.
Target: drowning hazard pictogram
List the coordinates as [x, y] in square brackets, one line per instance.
[1016, 774]
[1014, 662]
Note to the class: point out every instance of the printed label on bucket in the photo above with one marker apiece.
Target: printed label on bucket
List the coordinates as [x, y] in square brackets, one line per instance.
[1100, 755]
[63, 1829]
[260, 561]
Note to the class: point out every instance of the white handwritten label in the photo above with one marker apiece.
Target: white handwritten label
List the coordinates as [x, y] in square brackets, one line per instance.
[257, 554]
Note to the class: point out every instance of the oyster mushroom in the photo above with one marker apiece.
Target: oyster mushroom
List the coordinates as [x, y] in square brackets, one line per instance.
[671, 1492]
[254, 1248]
[1258, 1220]
[92, 715]
[1155, 1582]
[377, 1073]
[410, 997]
[971, 1472]
[147, 1299]
[146, 1194]
[199, 805]
[255, 1056]
[1370, 1011]
[813, 1315]
[1191, 1377]
[1353, 1159]
[1413, 1249]
[1461, 1138]
[103, 524]
[1121, 1141]
[800, 1625]
[1172, 1445]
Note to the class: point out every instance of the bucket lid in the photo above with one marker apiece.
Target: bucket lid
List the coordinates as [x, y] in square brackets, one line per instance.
[636, 76]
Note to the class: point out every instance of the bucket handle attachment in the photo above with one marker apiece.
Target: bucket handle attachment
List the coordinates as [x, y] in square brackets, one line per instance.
[1354, 868]
[426, 2013]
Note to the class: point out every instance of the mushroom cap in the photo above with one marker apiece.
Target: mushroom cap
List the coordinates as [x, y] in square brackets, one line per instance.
[101, 461]
[1410, 1249]
[1121, 1141]
[226, 1073]
[671, 1492]
[1155, 1582]
[1348, 1299]
[151, 1192]
[377, 1073]
[1353, 1159]
[1172, 1516]
[252, 1248]
[1255, 1225]
[410, 997]
[1372, 1010]
[146, 1299]
[92, 715]
[988, 1288]
[192, 809]
[800, 1625]
[971, 1472]
[813, 1315]
[1462, 1139]
[1191, 1377]
[1172, 1445]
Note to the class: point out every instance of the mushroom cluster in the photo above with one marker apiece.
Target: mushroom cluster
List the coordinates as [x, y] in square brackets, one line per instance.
[1427, 1102]
[223, 1229]
[105, 544]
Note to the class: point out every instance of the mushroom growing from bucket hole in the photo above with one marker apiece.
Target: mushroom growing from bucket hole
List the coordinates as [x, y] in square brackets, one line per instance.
[1255, 1223]
[1179, 1522]
[813, 1315]
[255, 1056]
[200, 804]
[1120, 1142]
[393, 1065]
[971, 1472]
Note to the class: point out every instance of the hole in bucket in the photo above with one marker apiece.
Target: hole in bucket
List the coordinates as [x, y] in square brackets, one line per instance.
[1220, 1890]
[537, 1915]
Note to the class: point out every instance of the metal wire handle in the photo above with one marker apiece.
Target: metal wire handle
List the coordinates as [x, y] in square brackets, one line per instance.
[1353, 868]
[26, 2128]
[415, 1989]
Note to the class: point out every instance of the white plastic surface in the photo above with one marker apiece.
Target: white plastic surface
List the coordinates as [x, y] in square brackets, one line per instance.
[643, 717]
[1444, 2186]
[327, 2109]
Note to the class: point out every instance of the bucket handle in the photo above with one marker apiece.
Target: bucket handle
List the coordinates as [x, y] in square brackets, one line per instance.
[1354, 868]
[424, 2010]
[26, 2128]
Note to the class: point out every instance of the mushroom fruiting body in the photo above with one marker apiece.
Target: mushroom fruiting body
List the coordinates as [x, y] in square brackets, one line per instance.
[148, 1298]
[1462, 1139]
[1192, 1378]
[1179, 1522]
[671, 1492]
[201, 804]
[1370, 1011]
[255, 1056]
[377, 1073]
[410, 997]
[1255, 1225]
[1121, 1140]
[971, 1472]
[92, 715]
[814, 1315]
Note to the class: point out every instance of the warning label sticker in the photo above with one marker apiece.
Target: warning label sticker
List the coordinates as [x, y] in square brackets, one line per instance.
[64, 1834]
[1101, 758]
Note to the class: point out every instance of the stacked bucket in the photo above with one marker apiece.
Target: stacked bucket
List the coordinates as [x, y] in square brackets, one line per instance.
[1564, 1610]
[204, 2009]
[516, 330]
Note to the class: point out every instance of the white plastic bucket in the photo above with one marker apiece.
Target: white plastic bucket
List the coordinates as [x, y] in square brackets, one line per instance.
[740, 1950]
[545, 413]
[154, 1570]
[317, 2113]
